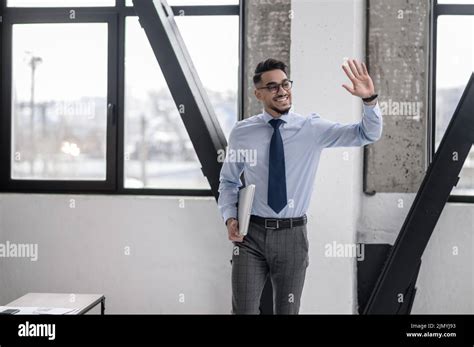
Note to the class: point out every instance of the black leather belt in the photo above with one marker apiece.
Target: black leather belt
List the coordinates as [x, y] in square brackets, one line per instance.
[275, 223]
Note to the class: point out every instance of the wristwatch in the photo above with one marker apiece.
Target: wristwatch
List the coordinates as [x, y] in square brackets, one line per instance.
[370, 98]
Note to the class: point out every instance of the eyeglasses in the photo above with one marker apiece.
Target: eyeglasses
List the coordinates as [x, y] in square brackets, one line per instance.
[274, 87]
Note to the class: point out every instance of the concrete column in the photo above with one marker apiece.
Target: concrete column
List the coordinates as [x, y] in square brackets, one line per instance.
[398, 62]
[267, 35]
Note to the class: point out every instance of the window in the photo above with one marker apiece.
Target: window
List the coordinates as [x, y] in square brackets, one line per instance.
[59, 3]
[59, 118]
[458, 2]
[454, 64]
[85, 106]
[196, 2]
[158, 151]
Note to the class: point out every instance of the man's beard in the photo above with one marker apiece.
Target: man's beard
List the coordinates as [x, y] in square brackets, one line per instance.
[285, 111]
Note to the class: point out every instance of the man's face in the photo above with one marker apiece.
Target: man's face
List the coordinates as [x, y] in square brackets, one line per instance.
[277, 100]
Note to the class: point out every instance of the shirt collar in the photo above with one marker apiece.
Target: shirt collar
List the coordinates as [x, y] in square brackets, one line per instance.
[268, 117]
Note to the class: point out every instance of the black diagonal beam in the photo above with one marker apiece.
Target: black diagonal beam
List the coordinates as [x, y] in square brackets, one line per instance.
[400, 268]
[157, 19]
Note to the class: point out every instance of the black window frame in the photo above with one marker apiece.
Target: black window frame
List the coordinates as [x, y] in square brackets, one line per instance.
[437, 11]
[116, 17]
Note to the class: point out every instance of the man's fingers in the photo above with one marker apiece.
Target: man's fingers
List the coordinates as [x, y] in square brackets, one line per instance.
[348, 73]
[353, 68]
[359, 68]
[349, 89]
[234, 228]
[236, 233]
[364, 69]
[236, 237]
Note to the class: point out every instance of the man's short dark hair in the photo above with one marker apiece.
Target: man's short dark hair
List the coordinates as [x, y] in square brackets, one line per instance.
[268, 65]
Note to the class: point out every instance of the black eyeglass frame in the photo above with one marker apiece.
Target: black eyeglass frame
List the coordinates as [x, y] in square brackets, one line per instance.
[277, 86]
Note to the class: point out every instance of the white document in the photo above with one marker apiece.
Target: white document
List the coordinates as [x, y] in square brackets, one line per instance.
[38, 310]
[246, 196]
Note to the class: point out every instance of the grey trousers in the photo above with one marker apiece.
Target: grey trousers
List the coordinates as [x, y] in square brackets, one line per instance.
[281, 254]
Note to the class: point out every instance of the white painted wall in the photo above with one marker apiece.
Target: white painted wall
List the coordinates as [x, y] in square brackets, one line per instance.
[2, 282]
[173, 251]
[323, 33]
[446, 281]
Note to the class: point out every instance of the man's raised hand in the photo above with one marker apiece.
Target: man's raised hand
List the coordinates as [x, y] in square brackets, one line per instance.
[362, 84]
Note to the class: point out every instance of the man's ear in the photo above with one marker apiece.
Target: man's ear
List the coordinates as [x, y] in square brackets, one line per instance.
[258, 94]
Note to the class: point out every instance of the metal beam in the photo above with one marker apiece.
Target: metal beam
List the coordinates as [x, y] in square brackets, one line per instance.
[157, 19]
[400, 270]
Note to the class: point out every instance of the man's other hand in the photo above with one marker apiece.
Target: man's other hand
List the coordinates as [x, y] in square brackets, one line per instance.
[233, 230]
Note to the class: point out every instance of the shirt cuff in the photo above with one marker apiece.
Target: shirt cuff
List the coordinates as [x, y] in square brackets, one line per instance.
[231, 213]
[370, 107]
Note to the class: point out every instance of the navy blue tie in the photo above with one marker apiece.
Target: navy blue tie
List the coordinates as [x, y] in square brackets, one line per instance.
[276, 170]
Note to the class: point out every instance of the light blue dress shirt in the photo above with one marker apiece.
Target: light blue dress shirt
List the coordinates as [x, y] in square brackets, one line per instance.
[304, 138]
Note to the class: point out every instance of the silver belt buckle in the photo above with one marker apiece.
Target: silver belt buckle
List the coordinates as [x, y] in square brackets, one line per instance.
[272, 228]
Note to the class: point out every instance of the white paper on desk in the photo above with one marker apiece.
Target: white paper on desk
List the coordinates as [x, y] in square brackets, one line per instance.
[53, 310]
[38, 310]
[246, 196]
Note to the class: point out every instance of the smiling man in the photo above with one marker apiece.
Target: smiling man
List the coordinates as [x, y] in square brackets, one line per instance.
[288, 148]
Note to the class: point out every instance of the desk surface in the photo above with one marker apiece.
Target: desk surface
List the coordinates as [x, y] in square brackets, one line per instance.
[80, 302]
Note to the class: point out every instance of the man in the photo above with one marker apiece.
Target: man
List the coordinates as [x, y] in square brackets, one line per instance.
[287, 147]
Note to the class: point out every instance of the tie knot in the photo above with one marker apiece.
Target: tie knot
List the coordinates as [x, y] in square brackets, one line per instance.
[275, 123]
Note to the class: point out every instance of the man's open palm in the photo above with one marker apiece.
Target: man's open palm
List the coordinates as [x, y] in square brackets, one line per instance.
[362, 85]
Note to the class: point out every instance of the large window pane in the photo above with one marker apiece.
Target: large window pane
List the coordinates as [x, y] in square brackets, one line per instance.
[455, 64]
[59, 96]
[196, 2]
[159, 153]
[59, 3]
[203, 2]
[457, 2]
[213, 43]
